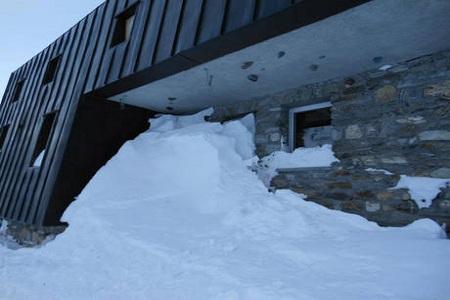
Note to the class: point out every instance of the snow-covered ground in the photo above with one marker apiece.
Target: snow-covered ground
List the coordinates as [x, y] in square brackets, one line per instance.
[177, 214]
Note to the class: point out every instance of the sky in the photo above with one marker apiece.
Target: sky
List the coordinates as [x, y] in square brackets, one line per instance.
[28, 26]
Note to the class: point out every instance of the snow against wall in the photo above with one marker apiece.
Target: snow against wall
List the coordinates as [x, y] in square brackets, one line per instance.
[177, 214]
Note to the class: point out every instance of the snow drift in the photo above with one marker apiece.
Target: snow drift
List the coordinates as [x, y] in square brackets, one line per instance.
[177, 214]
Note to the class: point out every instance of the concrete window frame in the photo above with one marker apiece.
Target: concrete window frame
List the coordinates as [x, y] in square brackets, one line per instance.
[300, 109]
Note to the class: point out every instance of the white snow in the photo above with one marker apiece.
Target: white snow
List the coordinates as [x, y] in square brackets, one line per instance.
[385, 67]
[386, 172]
[422, 189]
[320, 156]
[38, 161]
[176, 214]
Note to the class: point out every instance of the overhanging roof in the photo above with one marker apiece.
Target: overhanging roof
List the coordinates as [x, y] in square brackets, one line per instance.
[364, 37]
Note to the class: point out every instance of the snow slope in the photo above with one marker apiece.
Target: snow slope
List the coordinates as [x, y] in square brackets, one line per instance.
[176, 214]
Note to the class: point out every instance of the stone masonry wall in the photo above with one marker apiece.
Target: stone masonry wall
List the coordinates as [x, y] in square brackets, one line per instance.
[397, 120]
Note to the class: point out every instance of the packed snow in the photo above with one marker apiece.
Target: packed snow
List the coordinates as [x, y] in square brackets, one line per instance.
[177, 214]
[422, 189]
[319, 156]
[385, 172]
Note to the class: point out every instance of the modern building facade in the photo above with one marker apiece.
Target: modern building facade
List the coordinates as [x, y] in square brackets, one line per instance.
[354, 73]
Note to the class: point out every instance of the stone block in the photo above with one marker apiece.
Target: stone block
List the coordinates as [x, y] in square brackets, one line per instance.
[353, 132]
[441, 173]
[441, 90]
[435, 135]
[386, 93]
[372, 206]
[274, 137]
[412, 120]
[340, 185]
[394, 160]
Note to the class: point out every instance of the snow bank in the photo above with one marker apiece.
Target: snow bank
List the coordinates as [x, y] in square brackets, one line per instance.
[422, 189]
[320, 156]
[176, 214]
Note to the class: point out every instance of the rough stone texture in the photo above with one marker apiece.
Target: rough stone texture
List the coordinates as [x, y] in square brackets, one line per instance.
[441, 89]
[30, 236]
[396, 119]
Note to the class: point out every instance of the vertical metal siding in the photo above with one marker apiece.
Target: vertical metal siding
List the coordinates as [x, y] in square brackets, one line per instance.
[162, 29]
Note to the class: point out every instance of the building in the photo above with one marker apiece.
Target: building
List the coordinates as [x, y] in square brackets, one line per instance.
[370, 77]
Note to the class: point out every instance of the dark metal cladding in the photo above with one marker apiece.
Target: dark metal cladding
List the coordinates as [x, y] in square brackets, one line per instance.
[167, 36]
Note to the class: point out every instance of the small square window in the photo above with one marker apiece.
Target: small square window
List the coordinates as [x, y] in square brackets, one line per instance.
[50, 72]
[18, 90]
[124, 26]
[39, 153]
[3, 134]
[310, 126]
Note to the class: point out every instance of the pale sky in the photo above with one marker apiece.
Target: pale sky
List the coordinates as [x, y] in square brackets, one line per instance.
[28, 26]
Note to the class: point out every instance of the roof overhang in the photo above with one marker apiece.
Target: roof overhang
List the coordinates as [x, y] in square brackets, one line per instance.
[361, 38]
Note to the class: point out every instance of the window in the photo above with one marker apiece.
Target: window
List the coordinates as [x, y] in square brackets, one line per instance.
[124, 26]
[50, 72]
[3, 134]
[43, 139]
[18, 90]
[310, 126]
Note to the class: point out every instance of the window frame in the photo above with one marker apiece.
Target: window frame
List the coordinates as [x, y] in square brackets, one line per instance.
[301, 109]
[18, 90]
[52, 69]
[119, 34]
[4, 130]
[49, 136]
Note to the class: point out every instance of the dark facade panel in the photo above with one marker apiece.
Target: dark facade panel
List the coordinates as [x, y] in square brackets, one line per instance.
[168, 36]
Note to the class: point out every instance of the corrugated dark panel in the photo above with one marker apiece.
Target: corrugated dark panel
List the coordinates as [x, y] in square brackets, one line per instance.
[212, 20]
[37, 102]
[10, 164]
[43, 101]
[101, 46]
[147, 53]
[17, 114]
[240, 13]
[109, 54]
[66, 115]
[42, 104]
[75, 63]
[169, 29]
[189, 24]
[133, 48]
[97, 31]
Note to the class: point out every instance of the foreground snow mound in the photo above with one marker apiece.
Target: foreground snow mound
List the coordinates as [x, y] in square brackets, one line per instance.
[177, 214]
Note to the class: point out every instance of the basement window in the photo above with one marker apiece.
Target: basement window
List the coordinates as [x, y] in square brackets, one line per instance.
[39, 153]
[50, 72]
[3, 134]
[310, 126]
[124, 25]
[18, 90]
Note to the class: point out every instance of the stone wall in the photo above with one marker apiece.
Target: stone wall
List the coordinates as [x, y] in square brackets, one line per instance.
[396, 120]
[23, 235]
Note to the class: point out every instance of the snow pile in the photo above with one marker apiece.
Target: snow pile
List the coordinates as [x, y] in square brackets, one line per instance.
[385, 172]
[176, 214]
[422, 189]
[320, 156]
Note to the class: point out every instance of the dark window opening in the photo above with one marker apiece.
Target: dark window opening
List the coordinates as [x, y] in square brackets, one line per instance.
[18, 90]
[50, 72]
[313, 128]
[124, 26]
[3, 134]
[39, 153]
